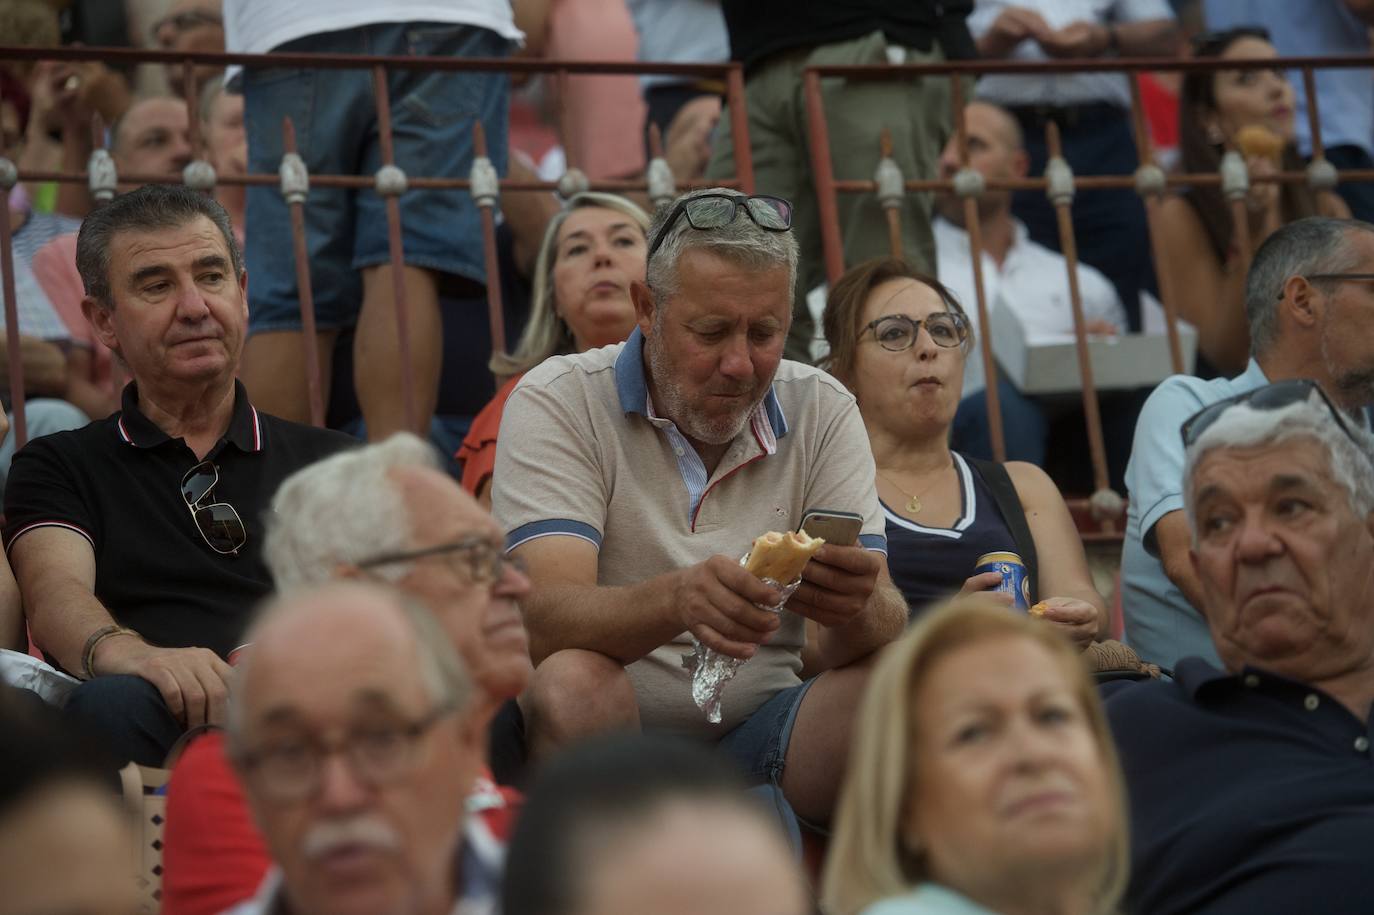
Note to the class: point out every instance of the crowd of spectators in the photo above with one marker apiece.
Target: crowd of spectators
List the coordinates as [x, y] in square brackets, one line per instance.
[489, 638]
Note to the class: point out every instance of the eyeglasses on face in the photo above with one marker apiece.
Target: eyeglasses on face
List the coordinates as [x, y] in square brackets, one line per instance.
[219, 524]
[897, 333]
[288, 768]
[483, 562]
[713, 211]
[1274, 396]
[1332, 278]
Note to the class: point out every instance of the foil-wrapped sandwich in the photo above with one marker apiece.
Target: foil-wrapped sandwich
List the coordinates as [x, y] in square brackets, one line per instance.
[778, 559]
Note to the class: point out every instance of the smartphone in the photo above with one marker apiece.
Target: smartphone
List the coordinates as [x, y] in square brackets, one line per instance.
[837, 527]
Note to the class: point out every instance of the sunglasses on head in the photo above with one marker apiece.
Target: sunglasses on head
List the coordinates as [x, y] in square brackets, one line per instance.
[219, 524]
[714, 211]
[1274, 396]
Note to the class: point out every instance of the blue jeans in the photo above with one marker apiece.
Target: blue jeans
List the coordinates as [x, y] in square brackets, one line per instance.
[759, 746]
[128, 715]
[1359, 196]
[432, 115]
[1025, 428]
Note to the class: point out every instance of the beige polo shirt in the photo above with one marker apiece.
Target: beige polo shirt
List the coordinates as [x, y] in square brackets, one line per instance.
[580, 454]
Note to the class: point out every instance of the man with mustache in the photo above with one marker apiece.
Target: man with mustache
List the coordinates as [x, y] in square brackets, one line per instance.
[632, 478]
[1309, 301]
[385, 513]
[357, 756]
[1250, 786]
[137, 540]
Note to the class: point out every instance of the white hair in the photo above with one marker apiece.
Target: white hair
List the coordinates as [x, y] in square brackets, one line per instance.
[442, 671]
[741, 242]
[343, 510]
[1351, 460]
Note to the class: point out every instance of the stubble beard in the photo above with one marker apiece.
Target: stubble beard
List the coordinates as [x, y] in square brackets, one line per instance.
[1352, 388]
[677, 406]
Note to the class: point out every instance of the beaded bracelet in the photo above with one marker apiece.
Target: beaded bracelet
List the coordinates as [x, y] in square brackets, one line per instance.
[100, 635]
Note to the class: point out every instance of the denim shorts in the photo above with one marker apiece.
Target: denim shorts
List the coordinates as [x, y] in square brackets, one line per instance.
[432, 114]
[759, 745]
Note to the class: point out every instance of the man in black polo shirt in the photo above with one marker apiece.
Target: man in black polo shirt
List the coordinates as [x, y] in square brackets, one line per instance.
[136, 540]
[1252, 789]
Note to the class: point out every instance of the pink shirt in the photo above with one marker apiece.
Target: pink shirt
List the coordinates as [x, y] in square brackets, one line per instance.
[606, 112]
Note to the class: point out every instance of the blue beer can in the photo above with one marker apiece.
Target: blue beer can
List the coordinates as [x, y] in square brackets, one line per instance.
[1014, 579]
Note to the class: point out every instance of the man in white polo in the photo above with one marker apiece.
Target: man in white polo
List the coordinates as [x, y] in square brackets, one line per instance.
[631, 479]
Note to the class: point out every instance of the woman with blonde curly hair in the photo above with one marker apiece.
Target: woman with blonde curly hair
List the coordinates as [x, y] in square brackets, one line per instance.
[982, 780]
[592, 250]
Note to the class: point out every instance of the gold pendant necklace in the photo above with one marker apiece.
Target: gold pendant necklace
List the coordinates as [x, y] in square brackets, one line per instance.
[913, 504]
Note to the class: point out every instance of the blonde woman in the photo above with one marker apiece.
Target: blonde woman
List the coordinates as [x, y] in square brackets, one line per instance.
[592, 250]
[982, 780]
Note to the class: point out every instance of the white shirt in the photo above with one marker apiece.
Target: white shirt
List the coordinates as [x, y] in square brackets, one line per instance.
[258, 26]
[1032, 281]
[1065, 88]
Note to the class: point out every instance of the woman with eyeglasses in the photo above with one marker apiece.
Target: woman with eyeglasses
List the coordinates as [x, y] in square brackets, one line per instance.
[592, 250]
[982, 781]
[898, 340]
[1217, 108]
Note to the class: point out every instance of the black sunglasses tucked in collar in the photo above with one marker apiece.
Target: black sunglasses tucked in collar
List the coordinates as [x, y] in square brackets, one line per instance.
[1274, 396]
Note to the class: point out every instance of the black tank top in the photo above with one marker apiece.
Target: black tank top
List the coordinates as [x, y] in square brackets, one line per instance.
[930, 564]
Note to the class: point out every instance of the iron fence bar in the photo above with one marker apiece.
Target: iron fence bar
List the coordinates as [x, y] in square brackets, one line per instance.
[395, 249]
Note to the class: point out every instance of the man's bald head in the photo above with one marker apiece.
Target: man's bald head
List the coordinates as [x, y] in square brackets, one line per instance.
[355, 615]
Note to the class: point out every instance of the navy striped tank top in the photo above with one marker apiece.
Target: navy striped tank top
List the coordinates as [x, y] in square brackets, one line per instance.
[930, 564]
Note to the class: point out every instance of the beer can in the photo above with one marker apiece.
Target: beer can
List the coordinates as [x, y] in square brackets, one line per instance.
[1014, 579]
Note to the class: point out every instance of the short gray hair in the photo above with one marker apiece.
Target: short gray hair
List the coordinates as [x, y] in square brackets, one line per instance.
[741, 242]
[1351, 459]
[442, 671]
[343, 510]
[209, 94]
[149, 208]
[1317, 244]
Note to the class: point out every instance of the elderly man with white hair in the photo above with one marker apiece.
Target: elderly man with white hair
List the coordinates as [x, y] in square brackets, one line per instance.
[633, 477]
[357, 756]
[1251, 787]
[383, 512]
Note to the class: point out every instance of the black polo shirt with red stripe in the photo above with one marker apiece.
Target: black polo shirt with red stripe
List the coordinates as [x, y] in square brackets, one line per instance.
[117, 483]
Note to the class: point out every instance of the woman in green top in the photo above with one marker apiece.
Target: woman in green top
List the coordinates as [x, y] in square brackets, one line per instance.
[982, 781]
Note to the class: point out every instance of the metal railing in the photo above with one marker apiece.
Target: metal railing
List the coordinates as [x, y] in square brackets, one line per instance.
[1058, 182]
[1149, 181]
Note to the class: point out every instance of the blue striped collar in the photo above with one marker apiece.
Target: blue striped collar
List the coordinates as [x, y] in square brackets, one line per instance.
[632, 386]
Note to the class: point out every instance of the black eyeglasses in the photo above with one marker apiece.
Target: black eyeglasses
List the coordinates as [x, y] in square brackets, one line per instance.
[897, 333]
[484, 561]
[288, 769]
[219, 524]
[1274, 396]
[1211, 44]
[714, 211]
[1334, 278]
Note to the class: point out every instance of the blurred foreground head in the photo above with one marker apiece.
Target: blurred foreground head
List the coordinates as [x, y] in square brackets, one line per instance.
[65, 840]
[632, 824]
[982, 764]
[349, 726]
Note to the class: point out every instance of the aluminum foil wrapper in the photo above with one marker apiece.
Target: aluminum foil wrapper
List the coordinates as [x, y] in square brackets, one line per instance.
[711, 670]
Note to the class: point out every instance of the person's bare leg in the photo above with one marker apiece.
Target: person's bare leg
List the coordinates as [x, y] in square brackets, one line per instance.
[377, 352]
[818, 753]
[273, 370]
[576, 694]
